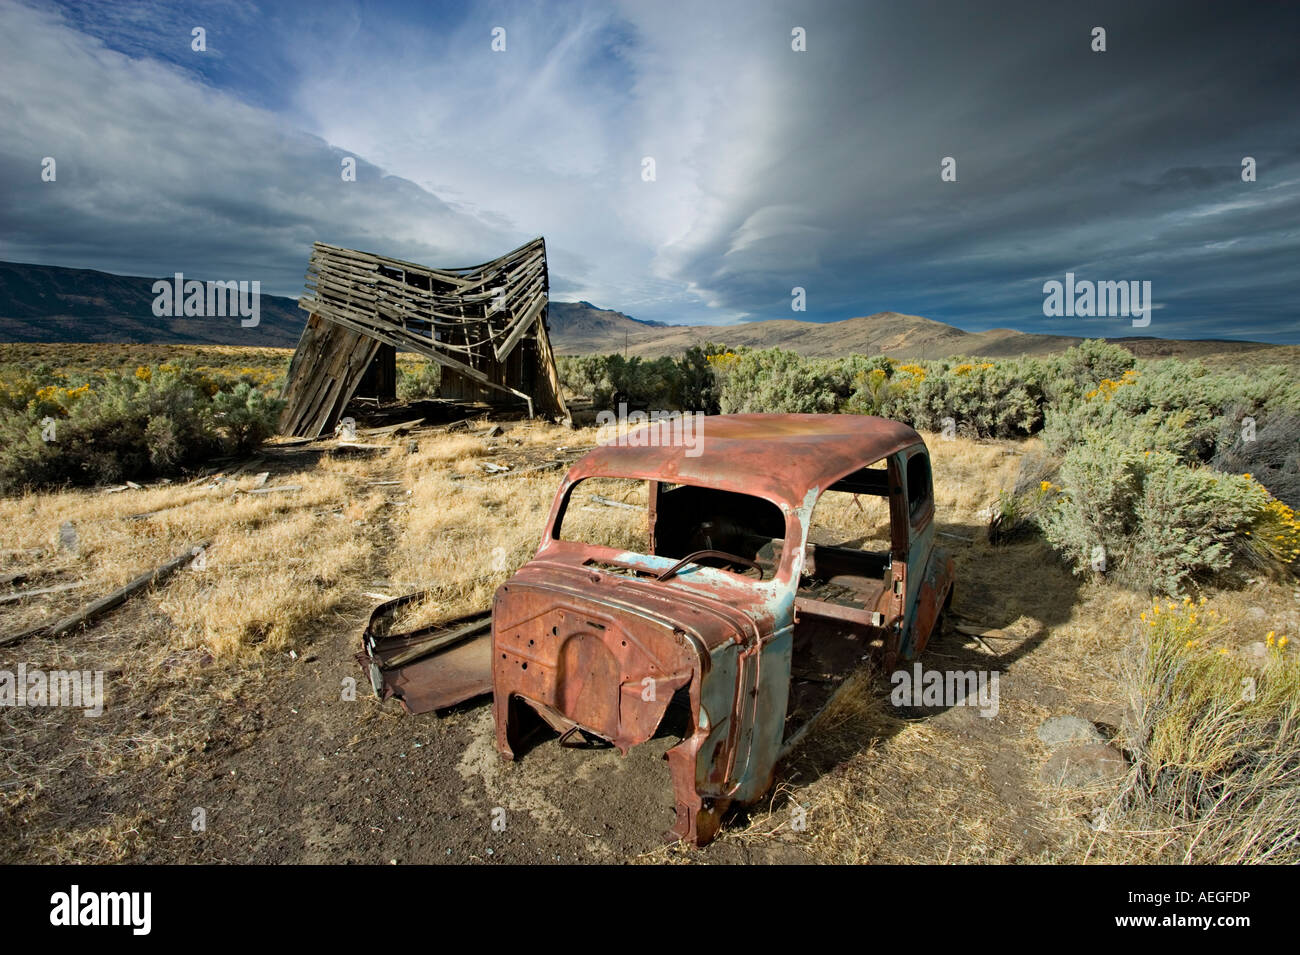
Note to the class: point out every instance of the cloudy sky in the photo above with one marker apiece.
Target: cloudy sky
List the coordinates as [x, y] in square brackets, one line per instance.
[773, 168]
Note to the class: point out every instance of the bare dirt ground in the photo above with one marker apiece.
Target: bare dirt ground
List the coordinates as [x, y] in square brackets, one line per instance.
[227, 696]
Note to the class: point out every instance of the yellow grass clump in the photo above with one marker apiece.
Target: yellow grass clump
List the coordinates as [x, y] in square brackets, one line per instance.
[1214, 733]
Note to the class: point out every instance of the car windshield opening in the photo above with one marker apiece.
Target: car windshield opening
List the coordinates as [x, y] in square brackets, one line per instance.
[615, 512]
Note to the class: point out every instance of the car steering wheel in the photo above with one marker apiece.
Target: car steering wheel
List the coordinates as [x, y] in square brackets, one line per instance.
[722, 554]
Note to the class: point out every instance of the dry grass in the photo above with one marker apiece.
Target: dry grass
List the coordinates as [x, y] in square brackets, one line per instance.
[447, 449]
[852, 520]
[1214, 733]
[969, 474]
[465, 530]
[592, 519]
[75, 359]
[461, 538]
[276, 561]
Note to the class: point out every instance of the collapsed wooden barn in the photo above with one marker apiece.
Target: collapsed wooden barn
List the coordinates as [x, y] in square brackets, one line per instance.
[485, 325]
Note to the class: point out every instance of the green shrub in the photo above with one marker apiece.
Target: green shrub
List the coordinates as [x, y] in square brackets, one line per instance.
[248, 416]
[1158, 523]
[1007, 398]
[694, 387]
[122, 427]
[1159, 406]
[1182, 407]
[1133, 439]
[979, 399]
[683, 384]
[1080, 368]
[420, 381]
[774, 381]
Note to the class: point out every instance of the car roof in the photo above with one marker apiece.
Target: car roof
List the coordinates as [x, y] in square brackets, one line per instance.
[776, 456]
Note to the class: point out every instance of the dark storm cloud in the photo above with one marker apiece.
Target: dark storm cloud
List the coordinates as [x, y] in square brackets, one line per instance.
[1123, 164]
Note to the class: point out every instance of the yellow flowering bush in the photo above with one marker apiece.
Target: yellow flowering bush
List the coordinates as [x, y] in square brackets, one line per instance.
[1276, 531]
[916, 371]
[1107, 387]
[129, 425]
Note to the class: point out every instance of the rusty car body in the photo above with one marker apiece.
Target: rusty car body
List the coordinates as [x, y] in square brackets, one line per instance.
[729, 613]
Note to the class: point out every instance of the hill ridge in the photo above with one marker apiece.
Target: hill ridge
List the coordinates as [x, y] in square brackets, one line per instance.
[50, 303]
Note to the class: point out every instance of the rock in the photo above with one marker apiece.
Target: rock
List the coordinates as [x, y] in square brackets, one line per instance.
[1060, 730]
[1084, 766]
[1254, 655]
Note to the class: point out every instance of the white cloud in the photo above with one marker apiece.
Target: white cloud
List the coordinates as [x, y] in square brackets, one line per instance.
[158, 173]
[550, 135]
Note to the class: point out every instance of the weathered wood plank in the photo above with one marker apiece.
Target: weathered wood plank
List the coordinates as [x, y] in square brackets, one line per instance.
[40, 592]
[101, 606]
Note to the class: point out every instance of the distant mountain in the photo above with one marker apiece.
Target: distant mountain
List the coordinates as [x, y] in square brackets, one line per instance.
[885, 332]
[584, 315]
[587, 329]
[45, 303]
[42, 303]
[579, 328]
